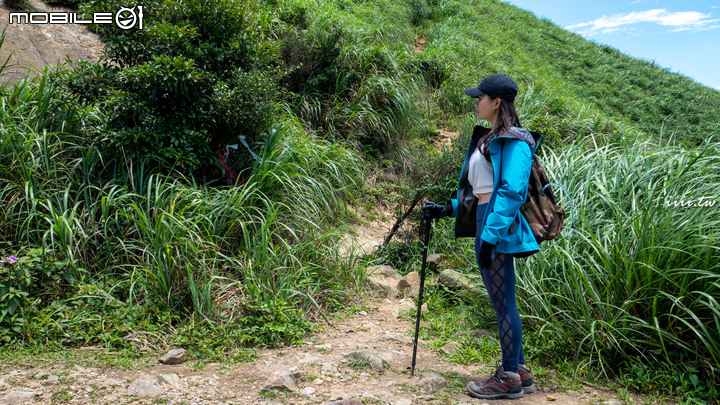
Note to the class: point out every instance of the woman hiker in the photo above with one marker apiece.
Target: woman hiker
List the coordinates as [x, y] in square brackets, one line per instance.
[493, 185]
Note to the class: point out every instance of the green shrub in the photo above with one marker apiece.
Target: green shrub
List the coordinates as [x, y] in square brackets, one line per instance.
[189, 83]
[18, 5]
[73, 4]
[24, 279]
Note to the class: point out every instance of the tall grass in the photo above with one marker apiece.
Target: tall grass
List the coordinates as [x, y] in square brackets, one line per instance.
[166, 240]
[639, 280]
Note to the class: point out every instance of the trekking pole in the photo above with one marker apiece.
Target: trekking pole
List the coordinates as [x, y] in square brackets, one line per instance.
[428, 222]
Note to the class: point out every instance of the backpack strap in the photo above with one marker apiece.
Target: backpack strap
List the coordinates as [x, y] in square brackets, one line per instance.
[572, 210]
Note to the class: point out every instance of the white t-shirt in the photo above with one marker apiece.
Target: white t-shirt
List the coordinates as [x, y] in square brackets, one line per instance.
[480, 174]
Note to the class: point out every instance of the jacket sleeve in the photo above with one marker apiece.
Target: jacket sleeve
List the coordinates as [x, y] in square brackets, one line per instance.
[515, 165]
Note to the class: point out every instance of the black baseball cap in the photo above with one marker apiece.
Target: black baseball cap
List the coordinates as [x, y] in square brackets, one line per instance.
[497, 85]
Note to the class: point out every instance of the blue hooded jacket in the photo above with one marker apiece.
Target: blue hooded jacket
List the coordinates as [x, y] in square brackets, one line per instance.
[505, 227]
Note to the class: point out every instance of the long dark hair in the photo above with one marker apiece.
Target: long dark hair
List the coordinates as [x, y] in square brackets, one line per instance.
[507, 117]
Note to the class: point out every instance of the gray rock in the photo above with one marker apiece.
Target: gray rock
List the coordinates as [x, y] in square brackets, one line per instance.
[376, 363]
[329, 369]
[431, 383]
[383, 271]
[409, 285]
[325, 348]
[80, 369]
[382, 287]
[145, 388]
[309, 391]
[465, 287]
[397, 337]
[111, 382]
[434, 258]
[307, 359]
[403, 401]
[611, 402]
[17, 397]
[451, 348]
[484, 333]
[353, 401]
[283, 382]
[177, 356]
[170, 379]
[407, 304]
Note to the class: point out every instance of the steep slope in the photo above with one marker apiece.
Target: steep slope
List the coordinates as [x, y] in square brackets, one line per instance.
[567, 71]
[30, 47]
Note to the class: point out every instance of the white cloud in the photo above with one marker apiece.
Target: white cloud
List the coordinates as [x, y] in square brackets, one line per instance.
[680, 21]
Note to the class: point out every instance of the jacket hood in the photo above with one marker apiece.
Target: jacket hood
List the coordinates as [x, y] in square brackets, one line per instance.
[532, 139]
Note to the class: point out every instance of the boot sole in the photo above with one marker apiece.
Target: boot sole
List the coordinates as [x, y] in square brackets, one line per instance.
[529, 389]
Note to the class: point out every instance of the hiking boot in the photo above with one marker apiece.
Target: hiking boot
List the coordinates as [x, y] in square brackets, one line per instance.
[526, 378]
[501, 385]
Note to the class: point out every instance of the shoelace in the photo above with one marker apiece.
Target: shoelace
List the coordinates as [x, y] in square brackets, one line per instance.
[496, 376]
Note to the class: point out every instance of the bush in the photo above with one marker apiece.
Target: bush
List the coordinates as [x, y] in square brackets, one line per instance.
[26, 280]
[189, 83]
[18, 5]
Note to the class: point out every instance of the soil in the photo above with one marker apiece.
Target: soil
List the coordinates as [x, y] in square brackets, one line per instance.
[322, 374]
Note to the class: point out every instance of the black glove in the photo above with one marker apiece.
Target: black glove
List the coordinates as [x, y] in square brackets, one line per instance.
[432, 210]
[485, 256]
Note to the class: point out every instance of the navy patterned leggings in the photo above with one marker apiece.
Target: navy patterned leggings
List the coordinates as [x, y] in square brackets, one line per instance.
[500, 284]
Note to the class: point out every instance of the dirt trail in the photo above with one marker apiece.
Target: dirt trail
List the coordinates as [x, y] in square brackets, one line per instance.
[322, 375]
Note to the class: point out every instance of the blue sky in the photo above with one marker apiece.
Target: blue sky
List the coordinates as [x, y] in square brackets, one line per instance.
[682, 36]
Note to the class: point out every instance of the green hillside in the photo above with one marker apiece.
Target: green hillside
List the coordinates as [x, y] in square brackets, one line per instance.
[571, 72]
[124, 218]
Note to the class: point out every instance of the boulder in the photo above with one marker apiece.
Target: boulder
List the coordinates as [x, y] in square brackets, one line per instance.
[376, 363]
[408, 305]
[383, 271]
[177, 356]
[170, 379]
[382, 287]
[409, 285]
[431, 383]
[433, 262]
[330, 370]
[283, 382]
[451, 348]
[461, 284]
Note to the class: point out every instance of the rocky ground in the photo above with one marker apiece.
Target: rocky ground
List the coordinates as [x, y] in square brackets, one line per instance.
[360, 359]
[30, 47]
